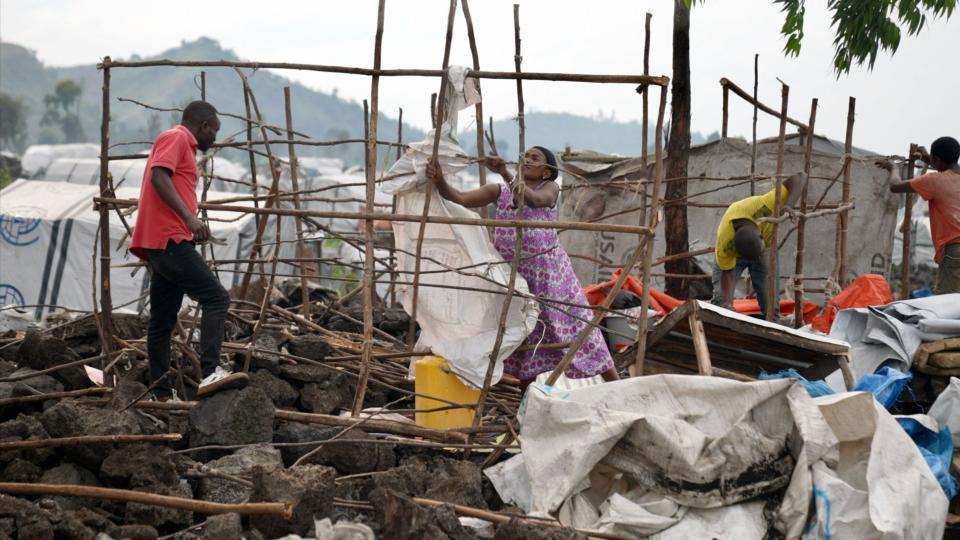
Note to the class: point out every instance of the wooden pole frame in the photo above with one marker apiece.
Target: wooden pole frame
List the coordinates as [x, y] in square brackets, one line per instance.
[107, 198]
[801, 225]
[773, 270]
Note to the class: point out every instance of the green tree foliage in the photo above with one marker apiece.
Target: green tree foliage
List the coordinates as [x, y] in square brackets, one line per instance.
[863, 27]
[63, 110]
[13, 123]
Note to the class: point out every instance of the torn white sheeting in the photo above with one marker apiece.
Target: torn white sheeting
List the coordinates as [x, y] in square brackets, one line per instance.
[891, 334]
[458, 312]
[657, 455]
[946, 410]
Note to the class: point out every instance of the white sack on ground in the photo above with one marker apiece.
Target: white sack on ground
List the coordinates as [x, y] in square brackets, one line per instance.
[891, 334]
[656, 455]
[457, 324]
[946, 410]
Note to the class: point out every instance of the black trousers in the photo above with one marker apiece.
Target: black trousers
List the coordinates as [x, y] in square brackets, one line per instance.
[175, 271]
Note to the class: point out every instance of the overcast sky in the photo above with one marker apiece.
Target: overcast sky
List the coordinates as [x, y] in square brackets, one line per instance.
[911, 97]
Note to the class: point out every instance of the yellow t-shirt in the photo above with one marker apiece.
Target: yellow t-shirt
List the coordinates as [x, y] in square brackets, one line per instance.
[752, 208]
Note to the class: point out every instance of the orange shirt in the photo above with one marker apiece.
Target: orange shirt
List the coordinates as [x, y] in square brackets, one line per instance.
[942, 191]
[176, 150]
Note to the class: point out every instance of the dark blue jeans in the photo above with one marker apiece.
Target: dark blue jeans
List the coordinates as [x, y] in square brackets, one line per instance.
[758, 276]
[175, 271]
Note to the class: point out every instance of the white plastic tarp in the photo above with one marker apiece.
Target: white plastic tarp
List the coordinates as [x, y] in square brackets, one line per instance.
[47, 235]
[456, 323]
[658, 456]
[946, 410]
[891, 334]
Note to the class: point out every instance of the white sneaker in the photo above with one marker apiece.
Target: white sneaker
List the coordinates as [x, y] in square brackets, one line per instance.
[221, 379]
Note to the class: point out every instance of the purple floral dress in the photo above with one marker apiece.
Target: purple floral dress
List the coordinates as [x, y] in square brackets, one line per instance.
[549, 274]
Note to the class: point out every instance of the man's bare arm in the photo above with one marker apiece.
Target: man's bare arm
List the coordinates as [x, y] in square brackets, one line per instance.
[728, 283]
[893, 178]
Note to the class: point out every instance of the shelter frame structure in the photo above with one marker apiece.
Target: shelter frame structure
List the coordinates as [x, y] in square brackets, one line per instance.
[107, 203]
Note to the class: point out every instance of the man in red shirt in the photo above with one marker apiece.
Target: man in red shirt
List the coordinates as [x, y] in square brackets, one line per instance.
[941, 190]
[165, 236]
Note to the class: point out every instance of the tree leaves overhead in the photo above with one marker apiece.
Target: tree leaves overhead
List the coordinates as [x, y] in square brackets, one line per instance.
[863, 27]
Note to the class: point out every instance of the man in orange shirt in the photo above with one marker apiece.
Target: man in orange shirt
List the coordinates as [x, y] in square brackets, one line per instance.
[941, 190]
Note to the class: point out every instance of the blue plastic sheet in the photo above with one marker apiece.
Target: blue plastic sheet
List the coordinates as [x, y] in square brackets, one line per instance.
[937, 450]
[814, 388]
[886, 384]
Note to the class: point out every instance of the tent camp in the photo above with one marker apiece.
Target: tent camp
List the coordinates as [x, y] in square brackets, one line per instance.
[48, 231]
[38, 157]
[129, 172]
[871, 227]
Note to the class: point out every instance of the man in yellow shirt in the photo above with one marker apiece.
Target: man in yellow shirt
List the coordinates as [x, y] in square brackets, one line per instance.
[742, 239]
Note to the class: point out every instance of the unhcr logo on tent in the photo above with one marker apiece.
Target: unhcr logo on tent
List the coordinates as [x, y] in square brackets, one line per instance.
[10, 295]
[20, 225]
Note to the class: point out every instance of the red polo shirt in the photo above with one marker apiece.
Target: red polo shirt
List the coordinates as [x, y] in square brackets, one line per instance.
[157, 223]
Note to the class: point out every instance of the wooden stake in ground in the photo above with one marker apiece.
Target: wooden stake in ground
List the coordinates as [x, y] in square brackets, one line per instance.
[773, 281]
[906, 230]
[478, 108]
[520, 186]
[295, 183]
[646, 89]
[428, 190]
[369, 287]
[801, 225]
[106, 301]
[652, 218]
[753, 147]
[844, 218]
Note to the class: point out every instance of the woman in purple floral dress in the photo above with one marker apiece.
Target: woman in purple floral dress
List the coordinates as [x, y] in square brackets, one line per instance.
[543, 264]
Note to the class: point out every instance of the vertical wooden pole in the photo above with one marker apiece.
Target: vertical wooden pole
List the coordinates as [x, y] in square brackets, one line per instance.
[802, 224]
[428, 189]
[773, 281]
[844, 217]
[700, 347]
[295, 184]
[517, 252]
[726, 112]
[106, 300]
[203, 86]
[394, 276]
[653, 217]
[646, 91]
[255, 189]
[906, 231]
[478, 108]
[753, 151]
[368, 261]
[272, 201]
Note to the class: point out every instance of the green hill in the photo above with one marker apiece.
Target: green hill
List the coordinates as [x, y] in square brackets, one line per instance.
[319, 114]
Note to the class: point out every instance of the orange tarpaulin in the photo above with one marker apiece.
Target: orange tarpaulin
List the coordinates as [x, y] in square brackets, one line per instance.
[664, 303]
[659, 300]
[750, 306]
[866, 290]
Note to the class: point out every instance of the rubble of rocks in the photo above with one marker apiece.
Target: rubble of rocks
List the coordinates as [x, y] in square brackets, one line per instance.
[233, 448]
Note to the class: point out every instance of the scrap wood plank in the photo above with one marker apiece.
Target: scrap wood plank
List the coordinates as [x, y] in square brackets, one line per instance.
[699, 342]
[743, 344]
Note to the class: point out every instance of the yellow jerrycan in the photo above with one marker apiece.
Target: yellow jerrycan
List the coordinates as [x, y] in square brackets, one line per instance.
[434, 378]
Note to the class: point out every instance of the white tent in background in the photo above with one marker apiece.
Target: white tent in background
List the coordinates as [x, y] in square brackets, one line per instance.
[47, 235]
[129, 172]
[39, 156]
